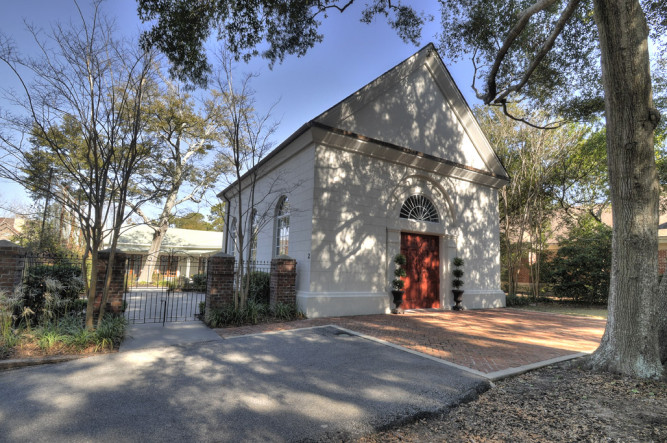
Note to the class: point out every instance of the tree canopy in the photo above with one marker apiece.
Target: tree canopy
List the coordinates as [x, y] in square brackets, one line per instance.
[181, 28]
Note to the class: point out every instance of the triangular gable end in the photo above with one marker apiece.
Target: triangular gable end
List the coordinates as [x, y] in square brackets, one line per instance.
[418, 106]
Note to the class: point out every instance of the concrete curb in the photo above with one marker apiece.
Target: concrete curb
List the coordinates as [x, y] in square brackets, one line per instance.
[25, 362]
[511, 372]
[410, 351]
[491, 376]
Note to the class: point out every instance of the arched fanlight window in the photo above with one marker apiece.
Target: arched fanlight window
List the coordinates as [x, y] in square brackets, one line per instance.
[418, 207]
[282, 227]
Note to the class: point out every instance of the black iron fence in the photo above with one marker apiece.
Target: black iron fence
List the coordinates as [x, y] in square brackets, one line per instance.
[257, 276]
[169, 289]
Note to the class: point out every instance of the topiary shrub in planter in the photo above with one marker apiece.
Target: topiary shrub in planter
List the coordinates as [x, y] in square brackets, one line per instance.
[457, 272]
[397, 284]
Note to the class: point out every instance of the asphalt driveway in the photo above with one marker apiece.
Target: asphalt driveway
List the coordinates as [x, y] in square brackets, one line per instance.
[307, 384]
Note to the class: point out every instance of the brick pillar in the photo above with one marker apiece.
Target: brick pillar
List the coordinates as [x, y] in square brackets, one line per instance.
[117, 284]
[283, 280]
[12, 261]
[220, 282]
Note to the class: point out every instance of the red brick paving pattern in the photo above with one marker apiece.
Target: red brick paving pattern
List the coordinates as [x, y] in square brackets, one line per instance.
[484, 340]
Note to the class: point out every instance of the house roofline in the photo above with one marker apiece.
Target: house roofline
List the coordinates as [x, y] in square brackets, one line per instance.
[296, 134]
[315, 124]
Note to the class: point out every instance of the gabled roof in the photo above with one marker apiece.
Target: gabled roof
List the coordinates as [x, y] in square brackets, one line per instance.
[449, 118]
[423, 82]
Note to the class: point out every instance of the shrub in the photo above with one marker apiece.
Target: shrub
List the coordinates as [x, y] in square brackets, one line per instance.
[516, 300]
[581, 268]
[259, 286]
[287, 311]
[199, 282]
[49, 291]
[111, 331]
[253, 313]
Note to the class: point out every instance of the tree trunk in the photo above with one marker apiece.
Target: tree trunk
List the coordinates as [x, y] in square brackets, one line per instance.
[160, 231]
[149, 265]
[630, 341]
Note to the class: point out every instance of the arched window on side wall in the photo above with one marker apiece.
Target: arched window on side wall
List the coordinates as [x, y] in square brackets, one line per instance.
[232, 235]
[282, 227]
[253, 238]
[420, 208]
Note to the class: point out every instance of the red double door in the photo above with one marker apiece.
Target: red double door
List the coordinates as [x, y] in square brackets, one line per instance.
[422, 284]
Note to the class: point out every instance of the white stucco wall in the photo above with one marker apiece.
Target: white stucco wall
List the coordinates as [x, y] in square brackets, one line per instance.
[292, 176]
[356, 229]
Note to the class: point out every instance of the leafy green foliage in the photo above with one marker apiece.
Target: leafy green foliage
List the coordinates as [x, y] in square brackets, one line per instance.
[567, 81]
[259, 287]
[253, 313]
[191, 220]
[581, 268]
[516, 300]
[181, 27]
[457, 272]
[50, 291]
[196, 282]
[217, 217]
[110, 331]
[397, 284]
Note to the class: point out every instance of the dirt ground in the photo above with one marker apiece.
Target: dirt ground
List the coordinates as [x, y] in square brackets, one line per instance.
[32, 350]
[560, 403]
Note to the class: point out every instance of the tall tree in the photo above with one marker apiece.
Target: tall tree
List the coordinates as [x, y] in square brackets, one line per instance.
[82, 102]
[243, 136]
[549, 170]
[183, 137]
[191, 220]
[551, 52]
[574, 57]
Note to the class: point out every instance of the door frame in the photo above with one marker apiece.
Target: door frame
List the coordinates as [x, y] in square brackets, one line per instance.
[447, 252]
[429, 239]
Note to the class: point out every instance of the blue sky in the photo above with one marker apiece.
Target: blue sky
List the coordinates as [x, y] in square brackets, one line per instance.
[351, 55]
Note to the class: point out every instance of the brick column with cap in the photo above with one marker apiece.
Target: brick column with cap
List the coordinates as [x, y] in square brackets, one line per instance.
[12, 262]
[117, 284]
[283, 280]
[220, 282]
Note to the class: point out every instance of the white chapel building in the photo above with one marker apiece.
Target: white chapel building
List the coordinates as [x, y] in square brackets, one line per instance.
[400, 166]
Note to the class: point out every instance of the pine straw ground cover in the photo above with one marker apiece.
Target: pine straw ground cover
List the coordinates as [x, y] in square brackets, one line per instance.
[560, 403]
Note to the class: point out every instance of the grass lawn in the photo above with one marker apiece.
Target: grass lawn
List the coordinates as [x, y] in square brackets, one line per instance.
[582, 311]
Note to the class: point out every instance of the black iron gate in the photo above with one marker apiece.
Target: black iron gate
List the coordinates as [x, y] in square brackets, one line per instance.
[170, 289]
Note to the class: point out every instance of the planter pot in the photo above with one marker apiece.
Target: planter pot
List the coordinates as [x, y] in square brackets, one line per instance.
[458, 298]
[398, 300]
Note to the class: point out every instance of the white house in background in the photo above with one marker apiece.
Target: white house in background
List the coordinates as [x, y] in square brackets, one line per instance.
[401, 165]
[183, 252]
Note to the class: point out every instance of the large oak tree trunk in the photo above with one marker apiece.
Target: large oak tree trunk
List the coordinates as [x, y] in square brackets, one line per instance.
[630, 341]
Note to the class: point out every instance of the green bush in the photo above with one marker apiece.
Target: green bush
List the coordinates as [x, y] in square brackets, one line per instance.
[253, 313]
[49, 292]
[259, 286]
[199, 282]
[581, 268]
[287, 311]
[111, 331]
[516, 300]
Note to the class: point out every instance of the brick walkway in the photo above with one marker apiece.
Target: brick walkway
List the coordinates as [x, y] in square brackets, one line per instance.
[484, 340]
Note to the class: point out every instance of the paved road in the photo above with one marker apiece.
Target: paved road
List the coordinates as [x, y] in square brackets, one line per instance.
[309, 384]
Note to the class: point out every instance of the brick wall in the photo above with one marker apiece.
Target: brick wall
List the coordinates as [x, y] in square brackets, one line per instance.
[283, 280]
[220, 282]
[12, 259]
[117, 284]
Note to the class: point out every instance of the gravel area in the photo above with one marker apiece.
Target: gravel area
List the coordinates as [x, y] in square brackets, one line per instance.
[555, 404]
